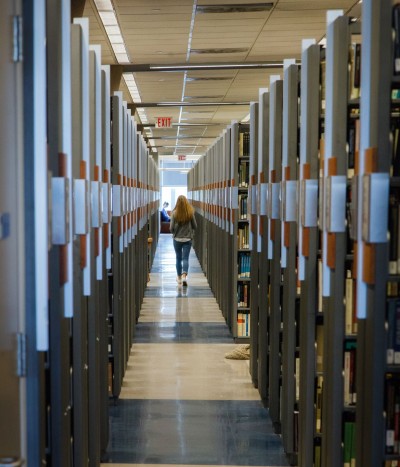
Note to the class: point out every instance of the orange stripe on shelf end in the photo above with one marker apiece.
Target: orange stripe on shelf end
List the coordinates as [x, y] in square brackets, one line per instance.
[106, 176]
[305, 248]
[82, 169]
[83, 245]
[105, 232]
[96, 174]
[306, 171]
[331, 250]
[272, 230]
[369, 263]
[96, 242]
[286, 234]
[62, 164]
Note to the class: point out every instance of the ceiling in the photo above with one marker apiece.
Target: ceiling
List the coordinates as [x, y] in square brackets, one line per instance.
[170, 32]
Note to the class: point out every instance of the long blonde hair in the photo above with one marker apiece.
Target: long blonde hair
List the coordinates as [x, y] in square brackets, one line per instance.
[183, 211]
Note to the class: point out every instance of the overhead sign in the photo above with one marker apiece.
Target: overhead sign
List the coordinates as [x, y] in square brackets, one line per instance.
[163, 122]
[181, 157]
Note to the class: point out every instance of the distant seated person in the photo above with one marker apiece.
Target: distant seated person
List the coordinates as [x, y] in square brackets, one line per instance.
[164, 214]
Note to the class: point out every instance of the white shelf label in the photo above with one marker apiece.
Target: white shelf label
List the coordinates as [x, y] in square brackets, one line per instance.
[289, 201]
[375, 207]
[81, 206]
[309, 208]
[335, 192]
[116, 201]
[274, 200]
[254, 199]
[263, 199]
[60, 215]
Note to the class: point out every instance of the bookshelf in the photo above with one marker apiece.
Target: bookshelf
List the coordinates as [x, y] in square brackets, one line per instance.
[290, 300]
[210, 193]
[218, 187]
[262, 243]
[274, 249]
[373, 279]
[308, 241]
[337, 413]
[253, 238]
[241, 271]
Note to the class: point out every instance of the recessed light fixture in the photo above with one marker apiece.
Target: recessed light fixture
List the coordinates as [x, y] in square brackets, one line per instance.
[234, 8]
[210, 78]
[204, 97]
[222, 50]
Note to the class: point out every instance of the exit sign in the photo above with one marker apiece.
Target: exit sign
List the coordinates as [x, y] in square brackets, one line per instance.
[163, 122]
[181, 157]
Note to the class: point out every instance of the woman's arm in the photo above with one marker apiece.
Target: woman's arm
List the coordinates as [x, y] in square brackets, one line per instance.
[172, 223]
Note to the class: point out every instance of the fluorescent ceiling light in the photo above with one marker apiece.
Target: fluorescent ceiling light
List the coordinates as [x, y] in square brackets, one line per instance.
[111, 30]
[104, 5]
[116, 39]
[122, 58]
[234, 8]
[119, 48]
[210, 78]
[108, 18]
[221, 50]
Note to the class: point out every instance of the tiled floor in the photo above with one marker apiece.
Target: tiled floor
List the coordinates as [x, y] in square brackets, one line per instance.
[182, 402]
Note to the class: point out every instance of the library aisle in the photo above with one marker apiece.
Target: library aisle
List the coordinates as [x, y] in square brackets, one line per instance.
[182, 403]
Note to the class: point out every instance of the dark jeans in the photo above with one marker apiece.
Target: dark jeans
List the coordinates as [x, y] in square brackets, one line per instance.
[182, 250]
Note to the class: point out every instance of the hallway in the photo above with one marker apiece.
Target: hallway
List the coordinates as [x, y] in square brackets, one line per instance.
[182, 402]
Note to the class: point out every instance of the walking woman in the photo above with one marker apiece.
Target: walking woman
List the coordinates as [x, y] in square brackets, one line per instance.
[183, 224]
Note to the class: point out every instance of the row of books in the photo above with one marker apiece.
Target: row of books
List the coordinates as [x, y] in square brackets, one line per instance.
[355, 71]
[243, 206]
[243, 265]
[244, 144]
[243, 296]
[394, 231]
[349, 444]
[392, 409]
[350, 392]
[393, 332]
[244, 170]
[395, 130]
[243, 237]
[350, 305]
[392, 463]
[319, 386]
[243, 324]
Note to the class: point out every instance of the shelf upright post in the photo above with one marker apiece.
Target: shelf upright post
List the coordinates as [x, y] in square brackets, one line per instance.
[94, 312]
[228, 235]
[262, 242]
[334, 236]
[372, 258]
[253, 229]
[274, 247]
[288, 256]
[235, 215]
[308, 242]
[80, 321]
[117, 157]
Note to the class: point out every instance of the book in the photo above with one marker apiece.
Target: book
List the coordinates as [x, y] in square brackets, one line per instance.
[347, 440]
[396, 39]
[349, 303]
[319, 338]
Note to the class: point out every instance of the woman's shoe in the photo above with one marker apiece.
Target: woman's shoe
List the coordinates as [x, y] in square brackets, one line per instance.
[178, 279]
[184, 280]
